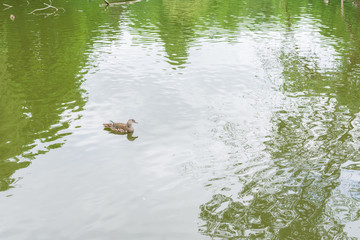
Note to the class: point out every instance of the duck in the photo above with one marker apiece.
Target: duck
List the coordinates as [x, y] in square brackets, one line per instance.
[121, 127]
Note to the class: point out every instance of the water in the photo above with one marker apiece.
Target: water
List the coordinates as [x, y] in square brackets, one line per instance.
[248, 118]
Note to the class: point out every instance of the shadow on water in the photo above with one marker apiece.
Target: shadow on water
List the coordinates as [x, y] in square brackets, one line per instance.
[299, 187]
[41, 73]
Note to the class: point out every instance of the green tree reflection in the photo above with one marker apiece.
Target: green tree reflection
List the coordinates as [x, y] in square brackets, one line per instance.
[41, 66]
[180, 23]
[292, 198]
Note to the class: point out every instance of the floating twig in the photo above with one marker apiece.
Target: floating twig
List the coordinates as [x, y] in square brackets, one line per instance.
[48, 6]
[7, 6]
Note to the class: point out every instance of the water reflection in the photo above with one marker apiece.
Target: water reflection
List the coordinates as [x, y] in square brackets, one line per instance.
[40, 86]
[173, 21]
[301, 186]
[129, 136]
[299, 181]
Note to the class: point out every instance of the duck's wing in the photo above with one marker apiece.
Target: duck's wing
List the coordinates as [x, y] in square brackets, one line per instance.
[120, 126]
[114, 128]
[115, 125]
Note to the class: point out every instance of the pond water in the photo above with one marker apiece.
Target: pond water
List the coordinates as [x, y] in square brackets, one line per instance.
[248, 112]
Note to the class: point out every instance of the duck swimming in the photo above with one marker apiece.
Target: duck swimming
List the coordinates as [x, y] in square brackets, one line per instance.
[121, 127]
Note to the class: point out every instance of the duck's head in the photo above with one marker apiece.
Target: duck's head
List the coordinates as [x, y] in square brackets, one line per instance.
[131, 121]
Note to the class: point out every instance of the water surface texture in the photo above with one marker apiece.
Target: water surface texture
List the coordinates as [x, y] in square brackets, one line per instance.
[248, 111]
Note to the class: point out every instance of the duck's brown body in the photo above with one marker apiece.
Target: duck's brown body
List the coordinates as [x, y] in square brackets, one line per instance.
[121, 127]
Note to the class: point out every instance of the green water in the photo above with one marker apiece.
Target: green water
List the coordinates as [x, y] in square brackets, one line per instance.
[248, 111]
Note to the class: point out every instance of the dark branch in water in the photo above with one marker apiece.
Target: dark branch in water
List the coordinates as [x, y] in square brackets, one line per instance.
[119, 3]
